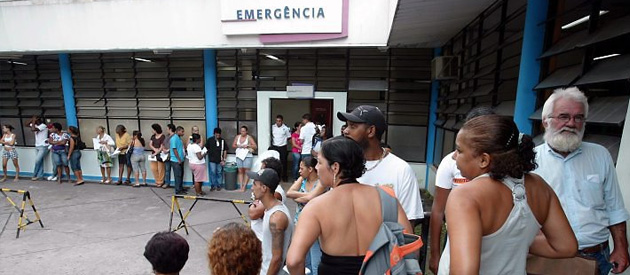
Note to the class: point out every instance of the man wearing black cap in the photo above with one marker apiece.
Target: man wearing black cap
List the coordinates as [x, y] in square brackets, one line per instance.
[366, 125]
[277, 222]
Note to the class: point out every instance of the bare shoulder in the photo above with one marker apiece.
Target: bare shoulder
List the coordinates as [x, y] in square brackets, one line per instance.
[322, 200]
[537, 185]
[279, 219]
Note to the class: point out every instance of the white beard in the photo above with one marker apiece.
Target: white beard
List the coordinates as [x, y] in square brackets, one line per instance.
[564, 140]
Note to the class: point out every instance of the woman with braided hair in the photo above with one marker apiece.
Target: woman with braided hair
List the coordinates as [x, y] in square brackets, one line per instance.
[504, 212]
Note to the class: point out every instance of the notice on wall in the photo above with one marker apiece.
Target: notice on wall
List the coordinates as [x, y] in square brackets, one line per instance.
[301, 91]
[280, 17]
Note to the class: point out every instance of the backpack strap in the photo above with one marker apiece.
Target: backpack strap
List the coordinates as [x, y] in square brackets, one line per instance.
[389, 208]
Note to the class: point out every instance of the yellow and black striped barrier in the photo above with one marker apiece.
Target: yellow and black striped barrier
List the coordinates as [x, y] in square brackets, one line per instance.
[25, 195]
[182, 223]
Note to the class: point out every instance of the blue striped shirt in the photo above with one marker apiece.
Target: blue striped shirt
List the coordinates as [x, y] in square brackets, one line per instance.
[586, 184]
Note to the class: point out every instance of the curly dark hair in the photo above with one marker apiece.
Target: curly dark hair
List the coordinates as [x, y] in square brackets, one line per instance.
[348, 154]
[167, 252]
[234, 249]
[512, 154]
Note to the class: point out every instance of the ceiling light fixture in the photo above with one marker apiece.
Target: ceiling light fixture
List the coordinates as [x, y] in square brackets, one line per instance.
[274, 58]
[606, 56]
[141, 59]
[581, 20]
[17, 63]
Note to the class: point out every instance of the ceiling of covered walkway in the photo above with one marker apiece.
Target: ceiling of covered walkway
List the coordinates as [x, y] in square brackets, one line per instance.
[430, 23]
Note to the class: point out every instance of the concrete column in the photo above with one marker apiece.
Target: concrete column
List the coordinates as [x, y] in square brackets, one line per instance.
[435, 86]
[68, 89]
[210, 90]
[529, 73]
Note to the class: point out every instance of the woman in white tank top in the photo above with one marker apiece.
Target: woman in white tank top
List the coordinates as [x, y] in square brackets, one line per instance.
[505, 212]
[8, 142]
[244, 146]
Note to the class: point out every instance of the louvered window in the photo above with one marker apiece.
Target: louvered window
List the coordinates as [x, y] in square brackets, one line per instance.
[489, 52]
[30, 85]
[137, 89]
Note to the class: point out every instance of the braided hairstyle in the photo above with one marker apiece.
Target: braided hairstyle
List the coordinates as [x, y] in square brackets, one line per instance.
[512, 153]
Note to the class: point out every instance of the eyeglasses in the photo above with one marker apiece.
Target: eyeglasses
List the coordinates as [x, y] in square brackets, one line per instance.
[566, 118]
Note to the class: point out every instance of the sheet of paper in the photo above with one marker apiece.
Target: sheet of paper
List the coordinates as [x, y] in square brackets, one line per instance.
[164, 156]
[115, 153]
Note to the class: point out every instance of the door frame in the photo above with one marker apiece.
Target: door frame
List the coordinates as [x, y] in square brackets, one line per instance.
[263, 112]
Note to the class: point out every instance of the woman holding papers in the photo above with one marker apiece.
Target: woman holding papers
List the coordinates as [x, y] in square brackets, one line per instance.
[103, 144]
[197, 161]
[245, 145]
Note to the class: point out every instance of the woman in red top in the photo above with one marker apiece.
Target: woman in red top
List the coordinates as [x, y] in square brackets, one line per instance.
[296, 145]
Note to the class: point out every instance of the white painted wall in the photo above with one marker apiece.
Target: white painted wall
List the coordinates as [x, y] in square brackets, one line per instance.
[157, 24]
[623, 163]
[419, 169]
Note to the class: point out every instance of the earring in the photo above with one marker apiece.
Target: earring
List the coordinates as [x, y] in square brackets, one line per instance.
[334, 179]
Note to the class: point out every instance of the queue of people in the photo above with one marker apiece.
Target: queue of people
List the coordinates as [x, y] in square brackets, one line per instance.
[503, 198]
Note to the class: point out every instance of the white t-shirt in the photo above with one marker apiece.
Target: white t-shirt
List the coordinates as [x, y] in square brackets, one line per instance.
[191, 151]
[41, 136]
[280, 135]
[447, 175]
[397, 174]
[306, 133]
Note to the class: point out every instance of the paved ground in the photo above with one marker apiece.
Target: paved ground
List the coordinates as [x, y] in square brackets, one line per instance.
[102, 229]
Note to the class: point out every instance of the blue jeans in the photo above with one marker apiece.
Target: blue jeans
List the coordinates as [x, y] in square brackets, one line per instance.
[296, 165]
[42, 151]
[602, 258]
[216, 174]
[75, 160]
[315, 253]
[178, 173]
[60, 158]
[167, 172]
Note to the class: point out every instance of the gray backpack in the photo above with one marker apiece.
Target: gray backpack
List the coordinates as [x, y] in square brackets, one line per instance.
[391, 251]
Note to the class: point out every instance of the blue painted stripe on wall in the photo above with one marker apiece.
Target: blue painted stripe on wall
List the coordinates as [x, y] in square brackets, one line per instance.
[529, 73]
[435, 85]
[68, 89]
[210, 88]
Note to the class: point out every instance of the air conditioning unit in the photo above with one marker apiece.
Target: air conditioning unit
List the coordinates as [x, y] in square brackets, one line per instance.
[444, 67]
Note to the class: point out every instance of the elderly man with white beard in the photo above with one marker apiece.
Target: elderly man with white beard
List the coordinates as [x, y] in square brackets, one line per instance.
[583, 176]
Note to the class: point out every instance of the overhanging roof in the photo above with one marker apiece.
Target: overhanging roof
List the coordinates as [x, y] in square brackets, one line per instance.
[431, 23]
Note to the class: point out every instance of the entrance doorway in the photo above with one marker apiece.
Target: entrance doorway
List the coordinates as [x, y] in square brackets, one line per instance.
[325, 103]
[292, 110]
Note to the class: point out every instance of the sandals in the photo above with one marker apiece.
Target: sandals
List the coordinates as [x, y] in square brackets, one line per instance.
[119, 183]
[136, 185]
[79, 183]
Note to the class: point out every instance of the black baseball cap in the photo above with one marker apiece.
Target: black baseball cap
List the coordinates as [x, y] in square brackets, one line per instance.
[367, 114]
[267, 176]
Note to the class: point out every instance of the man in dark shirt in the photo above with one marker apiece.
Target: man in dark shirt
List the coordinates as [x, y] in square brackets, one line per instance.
[217, 153]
